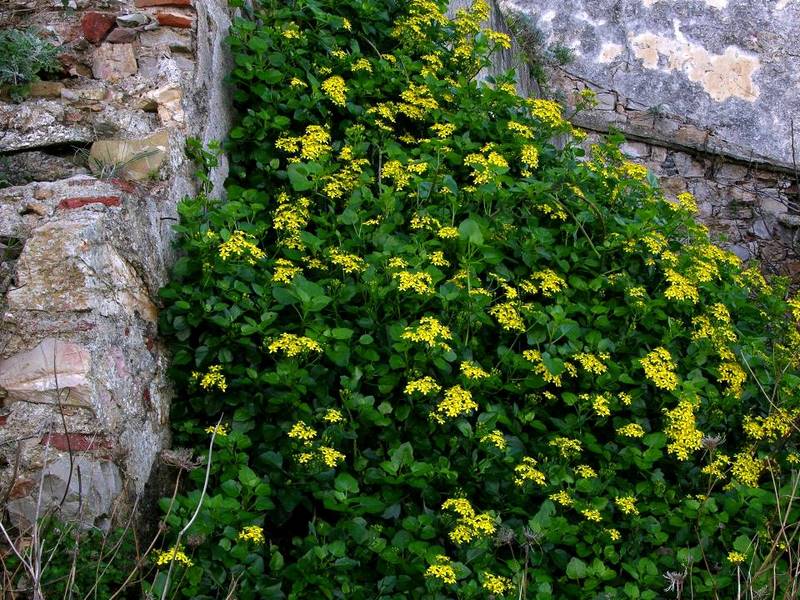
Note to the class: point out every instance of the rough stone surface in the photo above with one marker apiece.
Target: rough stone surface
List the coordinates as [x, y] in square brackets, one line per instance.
[729, 66]
[96, 25]
[82, 257]
[112, 62]
[134, 159]
[51, 372]
[89, 489]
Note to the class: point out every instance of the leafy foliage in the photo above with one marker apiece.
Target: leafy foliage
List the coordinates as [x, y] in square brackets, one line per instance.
[24, 55]
[456, 359]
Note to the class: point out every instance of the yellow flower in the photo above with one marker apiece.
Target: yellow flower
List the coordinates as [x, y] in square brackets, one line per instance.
[592, 514]
[627, 504]
[508, 316]
[547, 111]
[660, 369]
[457, 402]
[472, 370]
[524, 131]
[362, 64]
[592, 363]
[501, 39]
[214, 379]
[238, 245]
[600, 405]
[333, 416]
[772, 427]
[496, 584]
[631, 430]
[530, 156]
[164, 557]
[682, 431]
[220, 430]
[295, 82]
[349, 263]
[447, 233]
[527, 471]
[718, 466]
[549, 282]
[442, 570]
[469, 525]
[680, 288]
[331, 457]
[430, 332]
[746, 469]
[585, 471]
[336, 89]
[252, 533]
[736, 558]
[285, 271]
[443, 130]
[613, 534]
[426, 385]
[346, 25]
[421, 283]
[567, 447]
[633, 170]
[291, 32]
[496, 438]
[301, 431]
[437, 258]
[294, 345]
[561, 497]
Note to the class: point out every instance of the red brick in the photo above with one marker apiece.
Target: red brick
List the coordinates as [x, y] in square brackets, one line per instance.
[77, 442]
[69, 203]
[96, 25]
[171, 19]
[146, 3]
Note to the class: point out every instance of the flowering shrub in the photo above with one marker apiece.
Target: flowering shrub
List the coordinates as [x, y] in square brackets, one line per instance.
[456, 359]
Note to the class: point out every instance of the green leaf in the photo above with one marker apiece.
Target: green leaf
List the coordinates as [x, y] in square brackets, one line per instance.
[576, 568]
[471, 231]
[345, 482]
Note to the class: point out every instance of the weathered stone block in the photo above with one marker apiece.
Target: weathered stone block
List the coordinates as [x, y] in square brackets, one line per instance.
[146, 3]
[68, 266]
[39, 123]
[174, 19]
[113, 62]
[168, 100]
[45, 89]
[121, 35]
[135, 159]
[96, 25]
[39, 374]
[88, 487]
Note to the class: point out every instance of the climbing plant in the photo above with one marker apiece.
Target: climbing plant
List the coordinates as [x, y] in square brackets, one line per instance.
[455, 359]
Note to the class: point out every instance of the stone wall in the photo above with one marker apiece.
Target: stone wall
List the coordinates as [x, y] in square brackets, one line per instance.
[96, 167]
[708, 94]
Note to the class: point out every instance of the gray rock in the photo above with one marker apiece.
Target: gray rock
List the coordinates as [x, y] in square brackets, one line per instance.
[88, 488]
[729, 67]
[133, 20]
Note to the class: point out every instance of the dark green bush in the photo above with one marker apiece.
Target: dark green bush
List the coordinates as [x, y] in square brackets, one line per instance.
[24, 55]
[455, 360]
